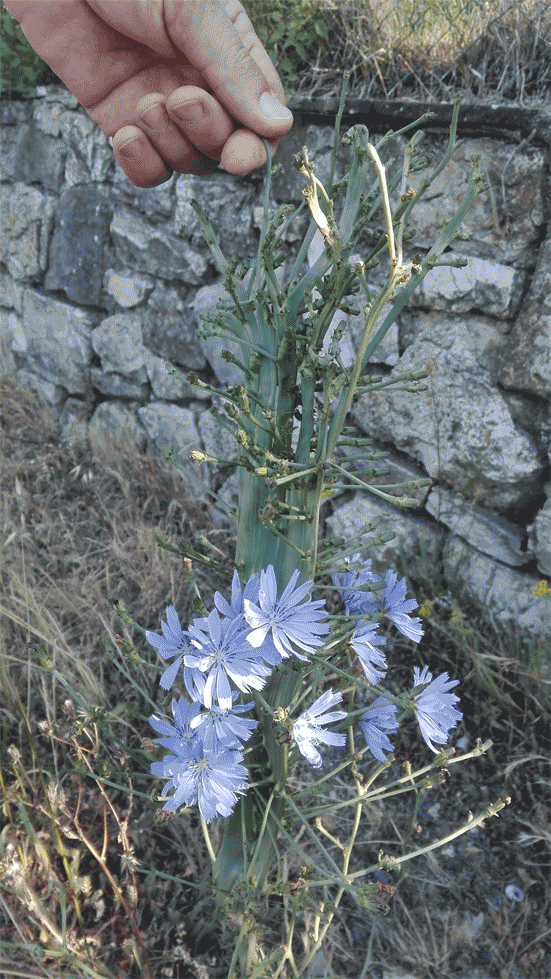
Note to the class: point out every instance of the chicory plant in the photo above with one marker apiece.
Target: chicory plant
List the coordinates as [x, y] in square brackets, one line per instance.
[264, 669]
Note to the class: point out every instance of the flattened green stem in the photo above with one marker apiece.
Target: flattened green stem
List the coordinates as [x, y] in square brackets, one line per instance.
[335, 153]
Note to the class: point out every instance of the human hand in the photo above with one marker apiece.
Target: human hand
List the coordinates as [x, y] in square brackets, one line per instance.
[135, 64]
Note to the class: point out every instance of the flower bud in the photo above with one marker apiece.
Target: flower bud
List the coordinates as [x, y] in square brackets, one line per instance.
[196, 456]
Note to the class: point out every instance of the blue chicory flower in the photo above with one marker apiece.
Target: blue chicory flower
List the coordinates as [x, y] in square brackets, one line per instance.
[267, 650]
[173, 642]
[350, 587]
[363, 640]
[219, 649]
[433, 707]
[206, 777]
[229, 729]
[307, 731]
[250, 591]
[180, 737]
[378, 719]
[289, 623]
[398, 610]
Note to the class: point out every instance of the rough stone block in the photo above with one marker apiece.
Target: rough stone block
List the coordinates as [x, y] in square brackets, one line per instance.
[87, 149]
[57, 341]
[143, 246]
[504, 224]
[8, 157]
[481, 285]
[217, 442]
[118, 341]
[506, 592]
[539, 535]
[155, 203]
[406, 531]
[15, 113]
[169, 330]
[288, 183]
[46, 117]
[461, 428]
[126, 289]
[174, 428]
[228, 202]
[166, 386]
[54, 394]
[11, 293]
[26, 218]
[117, 386]
[114, 425]
[488, 532]
[39, 159]
[522, 361]
[76, 251]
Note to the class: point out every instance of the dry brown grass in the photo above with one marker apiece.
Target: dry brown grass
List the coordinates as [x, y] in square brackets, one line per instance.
[430, 49]
[78, 536]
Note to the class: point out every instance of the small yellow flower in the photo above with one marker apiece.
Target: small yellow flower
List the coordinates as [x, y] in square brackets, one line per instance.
[541, 590]
[426, 608]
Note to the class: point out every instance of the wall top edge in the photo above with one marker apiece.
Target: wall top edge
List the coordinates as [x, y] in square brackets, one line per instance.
[478, 117]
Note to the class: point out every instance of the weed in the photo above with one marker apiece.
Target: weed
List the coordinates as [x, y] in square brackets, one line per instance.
[21, 69]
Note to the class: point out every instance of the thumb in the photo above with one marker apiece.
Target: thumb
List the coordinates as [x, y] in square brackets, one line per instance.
[219, 40]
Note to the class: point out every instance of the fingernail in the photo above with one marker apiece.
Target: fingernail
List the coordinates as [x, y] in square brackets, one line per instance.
[190, 112]
[132, 148]
[156, 119]
[273, 109]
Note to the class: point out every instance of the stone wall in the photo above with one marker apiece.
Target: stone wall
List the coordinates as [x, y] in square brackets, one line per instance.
[102, 286]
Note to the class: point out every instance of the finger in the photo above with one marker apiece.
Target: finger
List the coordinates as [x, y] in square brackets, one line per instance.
[245, 151]
[200, 118]
[144, 165]
[218, 39]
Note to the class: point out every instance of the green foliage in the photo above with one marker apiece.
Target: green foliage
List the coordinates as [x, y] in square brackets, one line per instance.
[21, 69]
[292, 33]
